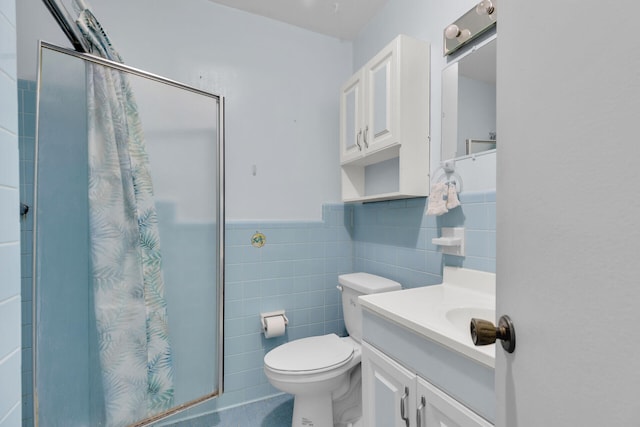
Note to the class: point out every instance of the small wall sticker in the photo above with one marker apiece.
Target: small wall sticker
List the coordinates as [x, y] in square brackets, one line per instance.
[258, 240]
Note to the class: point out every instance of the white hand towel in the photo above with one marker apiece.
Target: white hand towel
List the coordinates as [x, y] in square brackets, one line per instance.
[452, 196]
[437, 203]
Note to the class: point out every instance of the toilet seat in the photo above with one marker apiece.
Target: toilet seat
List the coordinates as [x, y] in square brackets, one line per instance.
[310, 355]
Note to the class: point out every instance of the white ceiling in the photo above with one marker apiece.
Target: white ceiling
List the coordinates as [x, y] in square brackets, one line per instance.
[342, 19]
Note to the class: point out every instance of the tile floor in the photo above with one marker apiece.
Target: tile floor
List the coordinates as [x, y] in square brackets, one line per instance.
[273, 412]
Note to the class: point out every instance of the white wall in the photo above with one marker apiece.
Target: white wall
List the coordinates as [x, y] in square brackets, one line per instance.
[281, 83]
[10, 318]
[425, 20]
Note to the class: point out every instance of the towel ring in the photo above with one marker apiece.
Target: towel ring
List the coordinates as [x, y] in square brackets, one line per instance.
[448, 178]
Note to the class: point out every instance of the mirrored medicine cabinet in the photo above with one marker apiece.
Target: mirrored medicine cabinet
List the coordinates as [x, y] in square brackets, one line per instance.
[469, 101]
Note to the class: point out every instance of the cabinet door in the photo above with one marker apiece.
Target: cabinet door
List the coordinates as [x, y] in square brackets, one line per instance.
[382, 100]
[351, 117]
[388, 391]
[436, 408]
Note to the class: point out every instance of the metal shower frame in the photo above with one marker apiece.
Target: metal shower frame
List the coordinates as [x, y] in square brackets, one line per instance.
[220, 213]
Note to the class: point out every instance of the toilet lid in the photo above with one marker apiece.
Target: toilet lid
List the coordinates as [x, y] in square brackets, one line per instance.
[310, 354]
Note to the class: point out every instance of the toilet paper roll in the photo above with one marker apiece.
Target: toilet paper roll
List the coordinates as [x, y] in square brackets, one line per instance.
[274, 326]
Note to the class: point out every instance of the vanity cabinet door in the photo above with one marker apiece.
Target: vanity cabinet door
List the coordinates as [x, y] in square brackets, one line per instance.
[388, 391]
[436, 408]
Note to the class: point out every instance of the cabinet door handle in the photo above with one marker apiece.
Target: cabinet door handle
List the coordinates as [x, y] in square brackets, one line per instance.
[358, 140]
[403, 405]
[364, 136]
[423, 403]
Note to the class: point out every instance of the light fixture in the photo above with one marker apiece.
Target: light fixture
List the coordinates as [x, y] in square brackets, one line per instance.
[485, 7]
[454, 32]
[482, 17]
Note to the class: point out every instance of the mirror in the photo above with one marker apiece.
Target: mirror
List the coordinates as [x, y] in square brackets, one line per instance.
[469, 102]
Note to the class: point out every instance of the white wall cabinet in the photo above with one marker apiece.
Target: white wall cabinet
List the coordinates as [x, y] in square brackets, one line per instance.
[369, 105]
[384, 125]
[393, 396]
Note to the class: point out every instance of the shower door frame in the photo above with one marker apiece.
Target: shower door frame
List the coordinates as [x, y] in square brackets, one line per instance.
[220, 218]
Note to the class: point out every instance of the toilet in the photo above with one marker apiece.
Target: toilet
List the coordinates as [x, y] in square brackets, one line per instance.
[323, 372]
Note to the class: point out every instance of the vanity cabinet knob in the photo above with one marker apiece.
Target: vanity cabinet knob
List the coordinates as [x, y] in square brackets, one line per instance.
[484, 332]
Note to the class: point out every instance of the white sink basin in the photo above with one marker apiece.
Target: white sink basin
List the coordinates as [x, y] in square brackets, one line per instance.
[460, 317]
[442, 313]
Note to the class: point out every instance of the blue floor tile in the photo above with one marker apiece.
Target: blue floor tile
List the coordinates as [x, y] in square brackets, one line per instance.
[274, 412]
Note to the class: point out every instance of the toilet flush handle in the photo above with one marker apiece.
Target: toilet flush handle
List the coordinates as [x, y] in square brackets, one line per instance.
[339, 288]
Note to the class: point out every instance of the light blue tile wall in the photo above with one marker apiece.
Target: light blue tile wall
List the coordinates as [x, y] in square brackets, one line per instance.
[477, 214]
[26, 114]
[298, 267]
[10, 304]
[296, 270]
[393, 239]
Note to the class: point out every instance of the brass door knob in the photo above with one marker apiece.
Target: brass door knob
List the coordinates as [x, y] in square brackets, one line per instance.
[484, 332]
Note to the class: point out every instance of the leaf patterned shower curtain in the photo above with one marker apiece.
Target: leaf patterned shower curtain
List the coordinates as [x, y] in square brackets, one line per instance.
[131, 315]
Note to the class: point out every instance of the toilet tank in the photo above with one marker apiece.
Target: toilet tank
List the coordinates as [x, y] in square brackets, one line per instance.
[352, 286]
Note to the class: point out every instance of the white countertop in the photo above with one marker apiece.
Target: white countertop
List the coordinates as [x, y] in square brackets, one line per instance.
[442, 312]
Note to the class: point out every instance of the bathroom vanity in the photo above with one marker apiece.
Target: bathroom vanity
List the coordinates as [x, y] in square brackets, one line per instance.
[419, 366]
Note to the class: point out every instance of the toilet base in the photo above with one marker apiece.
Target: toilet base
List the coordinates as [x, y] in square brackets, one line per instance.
[312, 410]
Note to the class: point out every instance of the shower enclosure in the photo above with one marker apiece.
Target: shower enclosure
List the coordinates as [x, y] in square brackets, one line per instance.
[80, 378]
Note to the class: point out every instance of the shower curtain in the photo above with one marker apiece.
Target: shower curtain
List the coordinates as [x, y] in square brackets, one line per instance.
[131, 315]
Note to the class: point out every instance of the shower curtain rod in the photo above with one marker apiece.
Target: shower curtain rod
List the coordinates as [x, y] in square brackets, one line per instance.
[66, 24]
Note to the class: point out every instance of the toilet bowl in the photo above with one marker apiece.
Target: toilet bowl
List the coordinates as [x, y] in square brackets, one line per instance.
[314, 370]
[323, 372]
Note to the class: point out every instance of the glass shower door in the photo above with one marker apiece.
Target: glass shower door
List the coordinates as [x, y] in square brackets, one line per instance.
[183, 135]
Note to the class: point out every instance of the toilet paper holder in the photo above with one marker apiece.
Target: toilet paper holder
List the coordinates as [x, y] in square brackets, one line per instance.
[264, 316]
